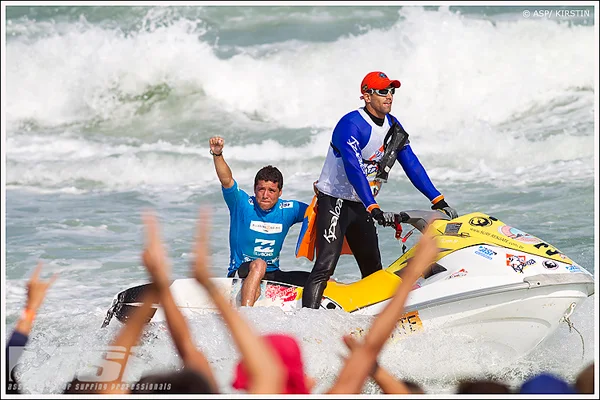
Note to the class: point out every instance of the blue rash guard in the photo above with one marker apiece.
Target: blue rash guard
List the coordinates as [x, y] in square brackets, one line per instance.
[255, 233]
[345, 175]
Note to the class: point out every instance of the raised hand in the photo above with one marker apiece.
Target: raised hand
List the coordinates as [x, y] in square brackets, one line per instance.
[154, 256]
[202, 261]
[426, 251]
[36, 289]
[216, 144]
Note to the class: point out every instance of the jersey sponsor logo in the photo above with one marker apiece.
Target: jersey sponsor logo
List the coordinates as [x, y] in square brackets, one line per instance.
[266, 227]
[287, 204]
[264, 247]
[353, 142]
[250, 201]
[330, 233]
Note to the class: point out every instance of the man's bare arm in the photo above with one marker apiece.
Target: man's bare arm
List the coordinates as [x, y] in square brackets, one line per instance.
[223, 171]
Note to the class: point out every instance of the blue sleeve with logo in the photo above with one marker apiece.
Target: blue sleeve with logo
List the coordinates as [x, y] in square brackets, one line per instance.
[349, 139]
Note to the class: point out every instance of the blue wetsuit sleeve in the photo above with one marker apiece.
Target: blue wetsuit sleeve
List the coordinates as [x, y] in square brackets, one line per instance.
[233, 195]
[416, 173]
[17, 339]
[14, 349]
[349, 141]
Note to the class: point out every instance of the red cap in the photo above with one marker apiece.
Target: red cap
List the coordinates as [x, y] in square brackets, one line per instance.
[377, 80]
[289, 353]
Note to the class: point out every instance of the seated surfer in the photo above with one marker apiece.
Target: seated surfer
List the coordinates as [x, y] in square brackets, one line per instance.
[258, 226]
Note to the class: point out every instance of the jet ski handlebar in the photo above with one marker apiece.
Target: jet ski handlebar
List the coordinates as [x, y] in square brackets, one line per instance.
[420, 219]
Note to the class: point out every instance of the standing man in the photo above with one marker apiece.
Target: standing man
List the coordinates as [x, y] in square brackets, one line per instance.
[257, 226]
[364, 146]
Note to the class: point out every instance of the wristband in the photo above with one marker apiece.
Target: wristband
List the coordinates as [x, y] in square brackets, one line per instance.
[215, 154]
[28, 315]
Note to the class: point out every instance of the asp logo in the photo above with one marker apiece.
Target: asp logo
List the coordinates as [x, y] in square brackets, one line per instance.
[485, 252]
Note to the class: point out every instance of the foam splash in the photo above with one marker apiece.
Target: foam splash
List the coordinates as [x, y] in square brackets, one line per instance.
[134, 107]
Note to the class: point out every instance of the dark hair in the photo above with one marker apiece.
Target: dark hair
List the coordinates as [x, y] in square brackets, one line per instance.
[269, 174]
[585, 380]
[185, 381]
[414, 387]
[481, 386]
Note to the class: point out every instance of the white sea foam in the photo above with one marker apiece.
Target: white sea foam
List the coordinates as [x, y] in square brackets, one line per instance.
[480, 100]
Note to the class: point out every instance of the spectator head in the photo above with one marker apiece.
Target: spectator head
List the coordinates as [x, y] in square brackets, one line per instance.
[481, 386]
[546, 384]
[290, 355]
[585, 380]
[413, 387]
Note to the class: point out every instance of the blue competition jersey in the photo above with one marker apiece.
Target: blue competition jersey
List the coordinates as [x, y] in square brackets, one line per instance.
[254, 233]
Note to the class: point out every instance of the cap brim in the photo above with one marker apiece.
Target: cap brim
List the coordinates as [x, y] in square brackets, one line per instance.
[395, 84]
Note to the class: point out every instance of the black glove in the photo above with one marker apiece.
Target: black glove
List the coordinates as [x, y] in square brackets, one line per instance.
[383, 218]
[444, 207]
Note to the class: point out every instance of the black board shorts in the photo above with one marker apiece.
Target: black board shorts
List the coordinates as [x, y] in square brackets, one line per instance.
[296, 278]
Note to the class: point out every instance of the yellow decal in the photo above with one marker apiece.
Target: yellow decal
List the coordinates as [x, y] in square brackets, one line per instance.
[409, 323]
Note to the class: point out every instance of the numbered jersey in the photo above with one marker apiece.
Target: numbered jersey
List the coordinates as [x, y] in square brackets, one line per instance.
[254, 233]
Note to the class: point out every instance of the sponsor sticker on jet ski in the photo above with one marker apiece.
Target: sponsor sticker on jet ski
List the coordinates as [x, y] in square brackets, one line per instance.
[452, 228]
[460, 272]
[573, 268]
[549, 264]
[480, 222]
[281, 292]
[518, 263]
[518, 234]
[409, 323]
[485, 252]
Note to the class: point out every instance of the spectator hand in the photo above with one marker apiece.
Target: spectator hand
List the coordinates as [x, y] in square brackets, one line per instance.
[383, 218]
[445, 208]
[201, 262]
[154, 256]
[36, 289]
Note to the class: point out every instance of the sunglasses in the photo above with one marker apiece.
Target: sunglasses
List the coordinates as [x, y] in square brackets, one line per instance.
[382, 92]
